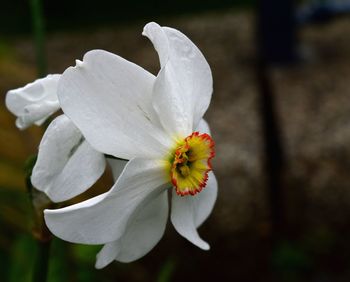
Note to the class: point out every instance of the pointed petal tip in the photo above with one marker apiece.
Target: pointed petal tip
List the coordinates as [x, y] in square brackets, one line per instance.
[200, 243]
[98, 265]
[78, 63]
[149, 27]
[183, 217]
[205, 246]
[101, 263]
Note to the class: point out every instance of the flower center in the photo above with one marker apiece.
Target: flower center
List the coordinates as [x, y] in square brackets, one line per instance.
[190, 163]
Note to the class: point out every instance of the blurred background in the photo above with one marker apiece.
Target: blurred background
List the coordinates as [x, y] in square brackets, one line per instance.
[280, 117]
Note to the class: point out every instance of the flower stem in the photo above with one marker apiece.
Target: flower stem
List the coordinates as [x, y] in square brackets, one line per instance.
[38, 199]
[39, 36]
[40, 232]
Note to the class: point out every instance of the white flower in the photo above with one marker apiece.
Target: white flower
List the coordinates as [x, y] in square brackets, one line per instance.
[154, 122]
[67, 165]
[35, 102]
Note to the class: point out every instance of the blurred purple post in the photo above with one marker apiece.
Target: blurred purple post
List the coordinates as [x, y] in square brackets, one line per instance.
[276, 41]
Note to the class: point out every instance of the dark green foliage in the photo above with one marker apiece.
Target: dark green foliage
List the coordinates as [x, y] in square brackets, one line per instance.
[15, 15]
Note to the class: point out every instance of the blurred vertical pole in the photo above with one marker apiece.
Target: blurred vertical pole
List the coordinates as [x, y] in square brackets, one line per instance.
[276, 31]
[273, 153]
[276, 46]
[38, 199]
[39, 36]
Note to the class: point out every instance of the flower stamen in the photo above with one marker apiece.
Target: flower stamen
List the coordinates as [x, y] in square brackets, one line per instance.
[190, 163]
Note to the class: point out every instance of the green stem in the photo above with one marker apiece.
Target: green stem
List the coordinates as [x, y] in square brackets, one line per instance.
[42, 235]
[39, 36]
[40, 231]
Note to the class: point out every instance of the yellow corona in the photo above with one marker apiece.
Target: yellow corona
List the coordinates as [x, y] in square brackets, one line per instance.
[191, 162]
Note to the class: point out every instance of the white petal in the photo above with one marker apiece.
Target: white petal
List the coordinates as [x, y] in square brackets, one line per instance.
[117, 167]
[35, 102]
[203, 202]
[144, 230]
[67, 165]
[103, 219]
[203, 127]
[188, 212]
[109, 99]
[184, 85]
[108, 254]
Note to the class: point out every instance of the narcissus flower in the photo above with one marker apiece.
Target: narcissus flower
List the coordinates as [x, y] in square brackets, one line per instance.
[156, 123]
[35, 102]
[67, 165]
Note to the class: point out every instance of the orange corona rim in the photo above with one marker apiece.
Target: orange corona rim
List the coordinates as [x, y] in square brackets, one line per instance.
[191, 163]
